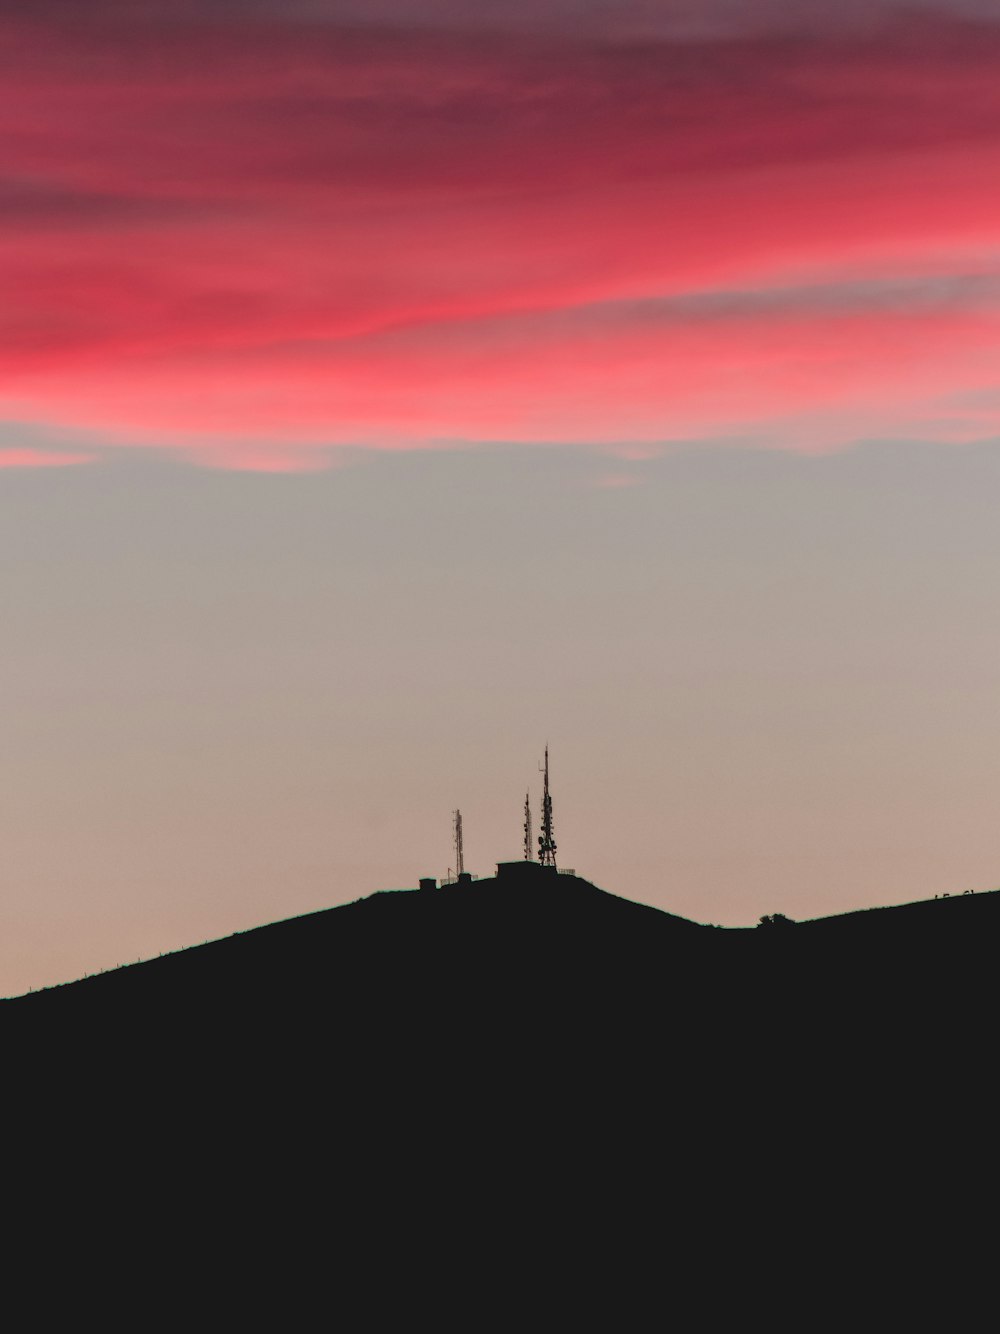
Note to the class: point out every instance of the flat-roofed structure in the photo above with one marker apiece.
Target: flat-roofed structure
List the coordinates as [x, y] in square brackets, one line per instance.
[524, 871]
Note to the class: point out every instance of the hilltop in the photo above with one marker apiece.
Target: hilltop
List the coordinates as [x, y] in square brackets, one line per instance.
[435, 969]
[553, 922]
[545, 927]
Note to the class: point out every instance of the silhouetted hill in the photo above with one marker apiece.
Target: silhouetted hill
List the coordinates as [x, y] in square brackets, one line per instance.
[545, 921]
[503, 944]
[532, 1064]
[520, 964]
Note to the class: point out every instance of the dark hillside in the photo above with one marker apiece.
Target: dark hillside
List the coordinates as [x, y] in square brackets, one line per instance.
[431, 963]
[533, 1064]
[450, 966]
[552, 920]
[406, 958]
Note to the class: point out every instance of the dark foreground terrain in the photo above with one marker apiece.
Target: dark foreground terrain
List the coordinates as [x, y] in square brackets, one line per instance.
[437, 1102]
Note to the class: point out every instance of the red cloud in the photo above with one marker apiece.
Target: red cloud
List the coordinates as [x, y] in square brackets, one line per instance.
[40, 458]
[296, 231]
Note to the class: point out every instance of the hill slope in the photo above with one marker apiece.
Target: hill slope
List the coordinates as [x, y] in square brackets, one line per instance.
[525, 967]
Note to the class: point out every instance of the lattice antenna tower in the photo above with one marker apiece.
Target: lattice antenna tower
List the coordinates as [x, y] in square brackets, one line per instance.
[459, 851]
[528, 847]
[546, 839]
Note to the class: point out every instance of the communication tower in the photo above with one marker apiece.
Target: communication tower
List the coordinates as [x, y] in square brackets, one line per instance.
[459, 853]
[528, 849]
[546, 839]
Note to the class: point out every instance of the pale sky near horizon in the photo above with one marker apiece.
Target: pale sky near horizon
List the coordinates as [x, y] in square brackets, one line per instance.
[390, 387]
[769, 683]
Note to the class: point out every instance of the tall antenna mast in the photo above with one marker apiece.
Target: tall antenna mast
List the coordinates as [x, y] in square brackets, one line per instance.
[459, 853]
[546, 839]
[528, 849]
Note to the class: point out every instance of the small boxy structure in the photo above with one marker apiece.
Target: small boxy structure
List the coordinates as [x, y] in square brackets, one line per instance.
[463, 878]
[524, 872]
[510, 873]
[529, 873]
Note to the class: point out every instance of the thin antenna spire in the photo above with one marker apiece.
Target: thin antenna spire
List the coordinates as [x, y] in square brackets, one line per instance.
[546, 839]
[528, 849]
[459, 853]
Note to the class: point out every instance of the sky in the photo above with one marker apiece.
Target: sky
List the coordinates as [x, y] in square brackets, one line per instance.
[390, 388]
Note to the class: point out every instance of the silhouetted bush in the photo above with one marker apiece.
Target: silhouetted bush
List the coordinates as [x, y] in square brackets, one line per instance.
[775, 919]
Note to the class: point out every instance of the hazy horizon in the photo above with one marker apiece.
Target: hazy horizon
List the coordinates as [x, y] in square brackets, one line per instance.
[767, 682]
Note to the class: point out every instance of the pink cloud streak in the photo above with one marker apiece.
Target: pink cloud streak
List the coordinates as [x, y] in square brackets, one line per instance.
[40, 458]
[307, 233]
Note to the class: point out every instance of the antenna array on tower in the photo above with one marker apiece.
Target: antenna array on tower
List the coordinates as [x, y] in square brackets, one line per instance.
[459, 852]
[546, 839]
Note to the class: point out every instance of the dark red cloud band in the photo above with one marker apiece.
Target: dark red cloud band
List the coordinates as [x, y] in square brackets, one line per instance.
[249, 235]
